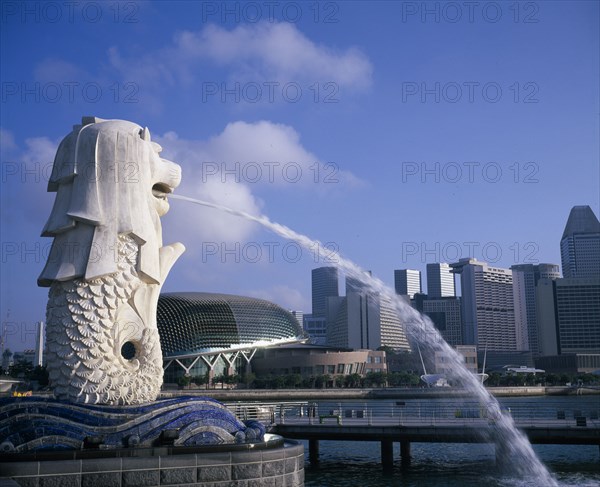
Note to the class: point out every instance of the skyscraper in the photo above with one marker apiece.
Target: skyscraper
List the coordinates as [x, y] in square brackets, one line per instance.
[487, 305]
[364, 321]
[580, 244]
[407, 282]
[440, 281]
[569, 315]
[355, 285]
[324, 285]
[446, 316]
[525, 280]
[578, 312]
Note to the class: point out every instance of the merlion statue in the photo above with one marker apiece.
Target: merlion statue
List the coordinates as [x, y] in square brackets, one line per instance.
[107, 263]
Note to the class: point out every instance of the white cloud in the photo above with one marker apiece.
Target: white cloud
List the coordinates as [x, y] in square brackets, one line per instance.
[25, 180]
[257, 52]
[231, 167]
[36, 167]
[52, 70]
[7, 142]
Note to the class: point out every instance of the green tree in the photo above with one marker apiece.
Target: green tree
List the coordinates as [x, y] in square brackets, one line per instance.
[200, 379]
[375, 378]
[321, 381]
[352, 380]
[249, 379]
[21, 368]
[278, 382]
[292, 380]
[6, 355]
[494, 379]
[39, 374]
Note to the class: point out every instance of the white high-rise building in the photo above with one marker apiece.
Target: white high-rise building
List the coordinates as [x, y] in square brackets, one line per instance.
[299, 315]
[440, 281]
[525, 280]
[407, 282]
[487, 305]
[364, 320]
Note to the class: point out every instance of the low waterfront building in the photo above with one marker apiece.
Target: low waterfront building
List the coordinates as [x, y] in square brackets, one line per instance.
[314, 360]
[469, 353]
[575, 363]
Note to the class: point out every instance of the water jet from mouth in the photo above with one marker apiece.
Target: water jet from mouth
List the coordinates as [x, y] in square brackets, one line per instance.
[423, 332]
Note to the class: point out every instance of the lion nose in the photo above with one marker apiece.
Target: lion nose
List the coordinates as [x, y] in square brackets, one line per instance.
[170, 173]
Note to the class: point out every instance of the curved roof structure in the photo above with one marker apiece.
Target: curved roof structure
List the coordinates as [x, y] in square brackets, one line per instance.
[195, 323]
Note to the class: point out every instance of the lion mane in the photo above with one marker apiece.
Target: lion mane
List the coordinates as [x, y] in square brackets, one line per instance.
[103, 174]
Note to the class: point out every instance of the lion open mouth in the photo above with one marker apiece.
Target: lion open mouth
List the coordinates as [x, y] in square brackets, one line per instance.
[161, 190]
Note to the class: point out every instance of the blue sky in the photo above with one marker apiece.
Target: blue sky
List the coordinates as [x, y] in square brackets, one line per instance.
[399, 132]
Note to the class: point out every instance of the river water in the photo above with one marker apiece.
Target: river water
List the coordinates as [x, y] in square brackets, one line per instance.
[358, 463]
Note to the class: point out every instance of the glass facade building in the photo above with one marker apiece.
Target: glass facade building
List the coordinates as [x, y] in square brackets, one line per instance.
[192, 323]
[580, 244]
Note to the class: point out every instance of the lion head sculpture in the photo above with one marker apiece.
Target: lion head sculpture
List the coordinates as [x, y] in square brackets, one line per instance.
[109, 179]
[107, 263]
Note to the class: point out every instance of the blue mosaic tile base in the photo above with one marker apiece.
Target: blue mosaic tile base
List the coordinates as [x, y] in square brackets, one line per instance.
[33, 424]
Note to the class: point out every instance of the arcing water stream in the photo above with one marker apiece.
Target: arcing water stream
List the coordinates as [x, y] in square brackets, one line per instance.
[421, 330]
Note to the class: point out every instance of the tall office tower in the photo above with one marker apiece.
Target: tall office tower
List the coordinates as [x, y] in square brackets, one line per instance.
[545, 310]
[440, 281]
[569, 315]
[525, 280]
[324, 285]
[446, 316]
[407, 282]
[364, 321]
[580, 244]
[578, 312]
[355, 285]
[487, 305]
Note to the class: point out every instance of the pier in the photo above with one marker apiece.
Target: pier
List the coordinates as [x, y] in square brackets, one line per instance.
[408, 423]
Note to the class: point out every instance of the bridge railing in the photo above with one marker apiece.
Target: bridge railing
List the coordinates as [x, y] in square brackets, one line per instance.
[416, 413]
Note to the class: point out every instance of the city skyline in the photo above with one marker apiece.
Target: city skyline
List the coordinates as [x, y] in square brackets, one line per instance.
[396, 147]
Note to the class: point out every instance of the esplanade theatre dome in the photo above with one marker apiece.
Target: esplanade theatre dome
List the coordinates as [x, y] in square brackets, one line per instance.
[196, 323]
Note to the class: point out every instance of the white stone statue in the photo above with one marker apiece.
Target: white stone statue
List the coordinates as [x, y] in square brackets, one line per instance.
[107, 263]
